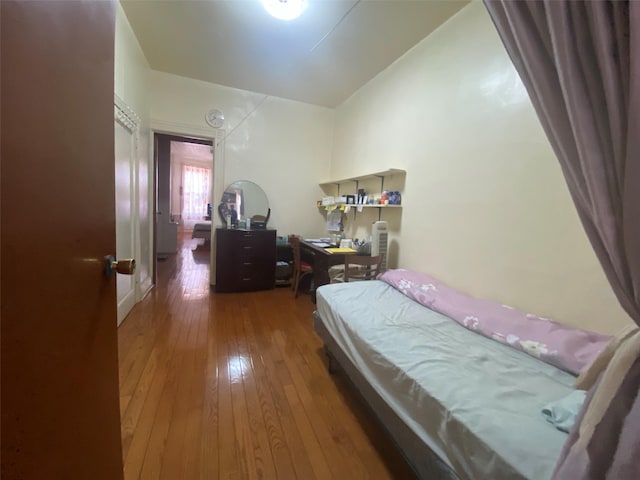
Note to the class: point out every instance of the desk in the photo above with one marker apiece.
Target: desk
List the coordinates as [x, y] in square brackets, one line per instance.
[284, 270]
[321, 260]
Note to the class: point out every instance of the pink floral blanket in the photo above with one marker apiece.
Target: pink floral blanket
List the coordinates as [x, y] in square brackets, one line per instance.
[568, 348]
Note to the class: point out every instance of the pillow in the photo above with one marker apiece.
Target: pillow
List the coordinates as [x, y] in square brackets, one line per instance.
[588, 376]
[568, 348]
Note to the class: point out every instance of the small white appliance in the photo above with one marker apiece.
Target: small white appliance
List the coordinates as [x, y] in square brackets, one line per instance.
[380, 241]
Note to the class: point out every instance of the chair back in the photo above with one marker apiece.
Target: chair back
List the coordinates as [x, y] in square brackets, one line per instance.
[361, 267]
[300, 270]
[294, 241]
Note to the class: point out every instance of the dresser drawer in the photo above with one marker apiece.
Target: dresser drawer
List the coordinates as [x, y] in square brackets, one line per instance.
[252, 279]
[251, 263]
[245, 260]
[252, 244]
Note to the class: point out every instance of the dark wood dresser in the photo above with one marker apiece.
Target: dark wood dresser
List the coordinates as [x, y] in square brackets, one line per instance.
[245, 259]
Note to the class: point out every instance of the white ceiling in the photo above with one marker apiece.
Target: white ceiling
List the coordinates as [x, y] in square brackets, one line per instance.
[322, 57]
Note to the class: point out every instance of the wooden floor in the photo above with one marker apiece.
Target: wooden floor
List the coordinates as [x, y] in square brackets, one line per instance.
[235, 386]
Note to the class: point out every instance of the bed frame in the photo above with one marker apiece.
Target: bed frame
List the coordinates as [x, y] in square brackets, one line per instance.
[424, 462]
[202, 230]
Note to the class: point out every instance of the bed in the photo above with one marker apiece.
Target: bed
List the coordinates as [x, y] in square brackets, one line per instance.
[457, 404]
[202, 230]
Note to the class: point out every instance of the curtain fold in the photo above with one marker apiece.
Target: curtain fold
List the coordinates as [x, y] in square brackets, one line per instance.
[580, 63]
[196, 194]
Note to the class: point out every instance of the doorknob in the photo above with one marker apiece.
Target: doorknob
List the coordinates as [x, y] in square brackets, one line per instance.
[125, 267]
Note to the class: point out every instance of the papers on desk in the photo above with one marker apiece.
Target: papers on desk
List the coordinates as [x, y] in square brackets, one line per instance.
[319, 242]
[340, 250]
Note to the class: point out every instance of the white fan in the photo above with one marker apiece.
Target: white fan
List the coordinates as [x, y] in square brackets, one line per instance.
[379, 242]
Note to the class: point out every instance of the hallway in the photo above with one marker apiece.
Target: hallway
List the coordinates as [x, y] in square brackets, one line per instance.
[236, 386]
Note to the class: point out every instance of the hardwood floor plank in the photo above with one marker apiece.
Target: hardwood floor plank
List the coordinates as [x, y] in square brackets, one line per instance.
[131, 415]
[139, 440]
[192, 452]
[314, 450]
[153, 458]
[229, 466]
[328, 432]
[272, 380]
[363, 437]
[267, 404]
[168, 307]
[236, 365]
[311, 362]
[134, 357]
[209, 458]
[259, 431]
[176, 444]
[260, 403]
[235, 386]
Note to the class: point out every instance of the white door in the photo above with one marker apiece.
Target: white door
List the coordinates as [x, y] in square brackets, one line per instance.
[125, 212]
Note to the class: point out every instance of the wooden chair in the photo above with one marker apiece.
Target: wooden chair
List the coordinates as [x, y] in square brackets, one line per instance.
[300, 269]
[261, 218]
[361, 267]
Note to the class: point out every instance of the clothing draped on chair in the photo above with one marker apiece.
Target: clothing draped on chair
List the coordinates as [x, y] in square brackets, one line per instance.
[580, 63]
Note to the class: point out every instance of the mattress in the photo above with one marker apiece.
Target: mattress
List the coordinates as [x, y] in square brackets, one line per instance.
[476, 403]
[202, 230]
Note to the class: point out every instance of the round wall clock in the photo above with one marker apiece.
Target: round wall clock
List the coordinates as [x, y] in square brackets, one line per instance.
[215, 118]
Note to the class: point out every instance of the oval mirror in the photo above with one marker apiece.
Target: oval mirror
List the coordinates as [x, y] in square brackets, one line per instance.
[244, 199]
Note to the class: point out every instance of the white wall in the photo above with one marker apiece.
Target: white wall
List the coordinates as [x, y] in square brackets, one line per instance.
[131, 70]
[282, 145]
[486, 208]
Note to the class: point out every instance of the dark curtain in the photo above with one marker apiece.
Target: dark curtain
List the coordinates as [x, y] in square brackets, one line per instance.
[580, 63]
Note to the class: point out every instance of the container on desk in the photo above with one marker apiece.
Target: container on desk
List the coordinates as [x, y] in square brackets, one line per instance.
[346, 243]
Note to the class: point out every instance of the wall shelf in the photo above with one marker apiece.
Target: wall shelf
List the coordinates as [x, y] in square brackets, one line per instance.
[335, 185]
[385, 173]
[373, 206]
[355, 207]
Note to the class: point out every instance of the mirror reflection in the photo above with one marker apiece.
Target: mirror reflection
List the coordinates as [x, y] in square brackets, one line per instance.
[244, 199]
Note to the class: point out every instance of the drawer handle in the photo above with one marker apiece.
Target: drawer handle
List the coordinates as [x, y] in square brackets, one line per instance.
[247, 248]
[247, 263]
[248, 279]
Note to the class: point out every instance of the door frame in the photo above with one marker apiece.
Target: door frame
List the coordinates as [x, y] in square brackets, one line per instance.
[193, 135]
[128, 119]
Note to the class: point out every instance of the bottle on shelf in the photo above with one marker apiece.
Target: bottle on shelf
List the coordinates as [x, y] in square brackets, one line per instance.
[394, 198]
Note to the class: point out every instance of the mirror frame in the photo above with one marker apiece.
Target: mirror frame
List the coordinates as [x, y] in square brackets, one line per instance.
[230, 199]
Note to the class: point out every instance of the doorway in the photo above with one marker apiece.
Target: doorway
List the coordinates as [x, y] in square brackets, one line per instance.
[183, 192]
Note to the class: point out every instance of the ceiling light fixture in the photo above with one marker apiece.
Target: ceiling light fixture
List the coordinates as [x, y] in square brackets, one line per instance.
[285, 9]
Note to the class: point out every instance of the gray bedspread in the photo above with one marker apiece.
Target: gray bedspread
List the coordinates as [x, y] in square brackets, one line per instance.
[475, 402]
